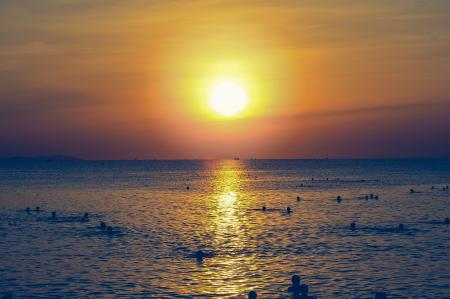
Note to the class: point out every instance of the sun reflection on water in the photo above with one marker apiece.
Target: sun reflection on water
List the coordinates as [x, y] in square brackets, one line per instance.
[228, 225]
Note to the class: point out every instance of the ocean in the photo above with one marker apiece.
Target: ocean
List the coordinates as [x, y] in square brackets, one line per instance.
[158, 224]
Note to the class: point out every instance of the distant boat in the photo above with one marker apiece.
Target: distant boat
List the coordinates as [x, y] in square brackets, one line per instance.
[236, 158]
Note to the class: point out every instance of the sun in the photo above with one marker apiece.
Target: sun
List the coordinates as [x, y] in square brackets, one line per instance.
[227, 98]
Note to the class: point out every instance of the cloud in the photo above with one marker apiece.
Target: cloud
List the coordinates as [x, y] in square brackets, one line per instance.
[14, 103]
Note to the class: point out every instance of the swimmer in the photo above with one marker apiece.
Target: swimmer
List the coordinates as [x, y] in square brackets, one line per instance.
[264, 208]
[366, 197]
[38, 209]
[339, 198]
[252, 295]
[353, 226]
[298, 198]
[27, 210]
[187, 188]
[199, 255]
[102, 225]
[412, 191]
[376, 197]
[295, 287]
[288, 210]
[53, 215]
[304, 292]
[371, 195]
[380, 295]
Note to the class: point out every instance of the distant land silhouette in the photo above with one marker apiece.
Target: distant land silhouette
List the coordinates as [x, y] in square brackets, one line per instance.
[41, 158]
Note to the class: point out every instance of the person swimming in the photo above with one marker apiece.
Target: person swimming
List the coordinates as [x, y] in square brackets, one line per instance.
[339, 198]
[380, 295]
[102, 225]
[371, 195]
[264, 208]
[294, 289]
[187, 188]
[298, 198]
[366, 197]
[376, 197]
[27, 210]
[85, 217]
[288, 210]
[53, 215]
[38, 209]
[304, 289]
[200, 255]
[353, 226]
[412, 191]
[252, 295]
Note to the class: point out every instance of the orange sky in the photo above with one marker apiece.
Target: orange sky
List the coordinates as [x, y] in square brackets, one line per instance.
[125, 79]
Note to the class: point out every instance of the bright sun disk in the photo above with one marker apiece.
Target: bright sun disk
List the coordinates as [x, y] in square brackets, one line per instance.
[228, 98]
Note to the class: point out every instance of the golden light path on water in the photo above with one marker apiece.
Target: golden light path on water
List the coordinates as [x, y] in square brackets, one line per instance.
[228, 225]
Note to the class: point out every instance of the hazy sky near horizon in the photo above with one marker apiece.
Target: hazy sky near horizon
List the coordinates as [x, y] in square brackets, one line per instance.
[130, 79]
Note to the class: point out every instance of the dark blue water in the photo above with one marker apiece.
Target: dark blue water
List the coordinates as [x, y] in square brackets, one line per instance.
[158, 225]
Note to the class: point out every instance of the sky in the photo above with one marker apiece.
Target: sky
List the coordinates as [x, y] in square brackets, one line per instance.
[131, 79]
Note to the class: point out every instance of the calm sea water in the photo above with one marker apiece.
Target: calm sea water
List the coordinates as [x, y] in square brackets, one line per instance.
[159, 224]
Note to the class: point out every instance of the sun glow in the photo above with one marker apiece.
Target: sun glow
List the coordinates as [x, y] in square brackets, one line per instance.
[228, 98]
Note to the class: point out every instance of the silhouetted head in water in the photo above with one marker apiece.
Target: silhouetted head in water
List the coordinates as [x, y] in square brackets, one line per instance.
[295, 280]
[264, 208]
[376, 196]
[38, 209]
[86, 215]
[199, 255]
[298, 198]
[288, 210]
[53, 214]
[187, 188]
[447, 220]
[295, 287]
[380, 295]
[109, 229]
[352, 225]
[366, 197]
[102, 225]
[27, 209]
[252, 295]
[339, 198]
[371, 195]
[401, 226]
[432, 187]
[411, 191]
